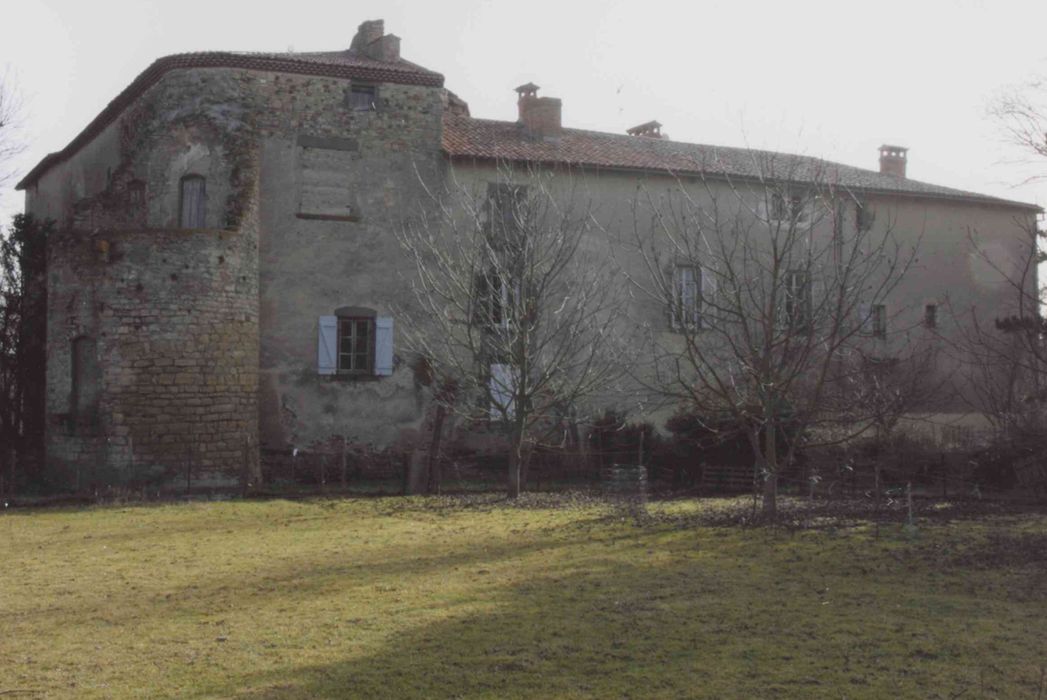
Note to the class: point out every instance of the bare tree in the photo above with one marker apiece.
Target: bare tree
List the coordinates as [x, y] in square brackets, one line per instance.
[22, 353]
[1005, 349]
[1020, 114]
[11, 144]
[770, 295]
[516, 305]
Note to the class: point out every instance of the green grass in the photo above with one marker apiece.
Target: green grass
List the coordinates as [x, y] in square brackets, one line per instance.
[434, 598]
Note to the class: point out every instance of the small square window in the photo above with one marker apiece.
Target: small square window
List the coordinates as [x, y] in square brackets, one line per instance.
[363, 98]
[930, 316]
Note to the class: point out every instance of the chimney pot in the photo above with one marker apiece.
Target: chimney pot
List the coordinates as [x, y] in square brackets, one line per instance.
[367, 32]
[542, 117]
[893, 160]
[651, 129]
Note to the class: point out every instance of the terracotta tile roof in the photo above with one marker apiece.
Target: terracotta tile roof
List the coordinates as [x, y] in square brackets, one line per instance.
[330, 64]
[485, 139]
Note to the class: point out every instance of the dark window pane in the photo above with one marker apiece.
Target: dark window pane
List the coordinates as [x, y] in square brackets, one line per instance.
[194, 197]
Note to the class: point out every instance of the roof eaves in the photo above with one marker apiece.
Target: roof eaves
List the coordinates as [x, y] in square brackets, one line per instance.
[409, 75]
[973, 198]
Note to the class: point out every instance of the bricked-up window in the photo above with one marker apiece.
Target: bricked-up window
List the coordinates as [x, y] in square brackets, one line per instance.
[86, 380]
[193, 200]
[363, 98]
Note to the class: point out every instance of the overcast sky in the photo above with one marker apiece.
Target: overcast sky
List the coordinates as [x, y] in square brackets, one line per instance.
[829, 79]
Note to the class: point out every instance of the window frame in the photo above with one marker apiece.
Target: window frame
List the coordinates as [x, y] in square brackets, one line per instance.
[798, 298]
[360, 89]
[789, 206]
[202, 211]
[355, 316]
[930, 316]
[686, 313]
[878, 320]
[355, 322]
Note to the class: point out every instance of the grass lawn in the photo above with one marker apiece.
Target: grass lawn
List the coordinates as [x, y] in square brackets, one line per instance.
[434, 598]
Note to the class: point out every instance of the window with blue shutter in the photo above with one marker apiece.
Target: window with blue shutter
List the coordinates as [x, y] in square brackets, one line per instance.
[383, 346]
[327, 346]
[355, 342]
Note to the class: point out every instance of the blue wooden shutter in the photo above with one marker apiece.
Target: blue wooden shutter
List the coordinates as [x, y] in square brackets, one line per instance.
[865, 318]
[503, 388]
[383, 346]
[327, 346]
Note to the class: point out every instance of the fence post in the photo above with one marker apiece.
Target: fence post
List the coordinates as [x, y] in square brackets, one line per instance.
[323, 472]
[908, 501]
[245, 475]
[344, 465]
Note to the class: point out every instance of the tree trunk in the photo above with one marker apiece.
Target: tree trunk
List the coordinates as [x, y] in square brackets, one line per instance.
[770, 495]
[433, 469]
[770, 483]
[515, 461]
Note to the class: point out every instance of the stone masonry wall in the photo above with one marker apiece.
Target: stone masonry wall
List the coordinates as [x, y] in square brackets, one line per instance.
[177, 317]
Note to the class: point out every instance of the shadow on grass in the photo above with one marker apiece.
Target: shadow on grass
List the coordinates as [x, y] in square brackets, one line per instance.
[700, 625]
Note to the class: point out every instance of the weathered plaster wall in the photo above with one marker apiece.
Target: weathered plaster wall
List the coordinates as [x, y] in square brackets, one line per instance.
[372, 162]
[950, 268]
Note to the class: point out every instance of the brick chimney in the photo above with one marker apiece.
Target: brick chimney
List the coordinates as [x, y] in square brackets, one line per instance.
[541, 116]
[892, 160]
[652, 130]
[372, 41]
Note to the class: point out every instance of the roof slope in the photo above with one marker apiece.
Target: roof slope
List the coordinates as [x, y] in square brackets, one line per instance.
[487, 139]
[329, 64]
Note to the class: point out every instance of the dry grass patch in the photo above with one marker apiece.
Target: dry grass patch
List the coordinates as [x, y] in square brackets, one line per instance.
[469, 598]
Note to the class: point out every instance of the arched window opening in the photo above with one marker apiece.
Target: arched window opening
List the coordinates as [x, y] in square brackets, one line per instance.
[193, 202]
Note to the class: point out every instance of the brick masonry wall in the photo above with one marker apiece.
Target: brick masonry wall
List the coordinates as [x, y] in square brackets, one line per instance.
[175, 318]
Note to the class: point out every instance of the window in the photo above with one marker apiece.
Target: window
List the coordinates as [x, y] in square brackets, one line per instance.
[502, 389]
[687, 298]
[193, 202]
[136, 193]
[787, 206]
[363, 98]
[797, 298]
[930, 316]
[497, 301]
[838, 211]
[355, 342]
[864, 217]
[507, 212]
[356, 345]
[86, 381]
[879, 320]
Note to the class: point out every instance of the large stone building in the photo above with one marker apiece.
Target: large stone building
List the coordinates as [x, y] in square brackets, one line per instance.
[224, 273]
